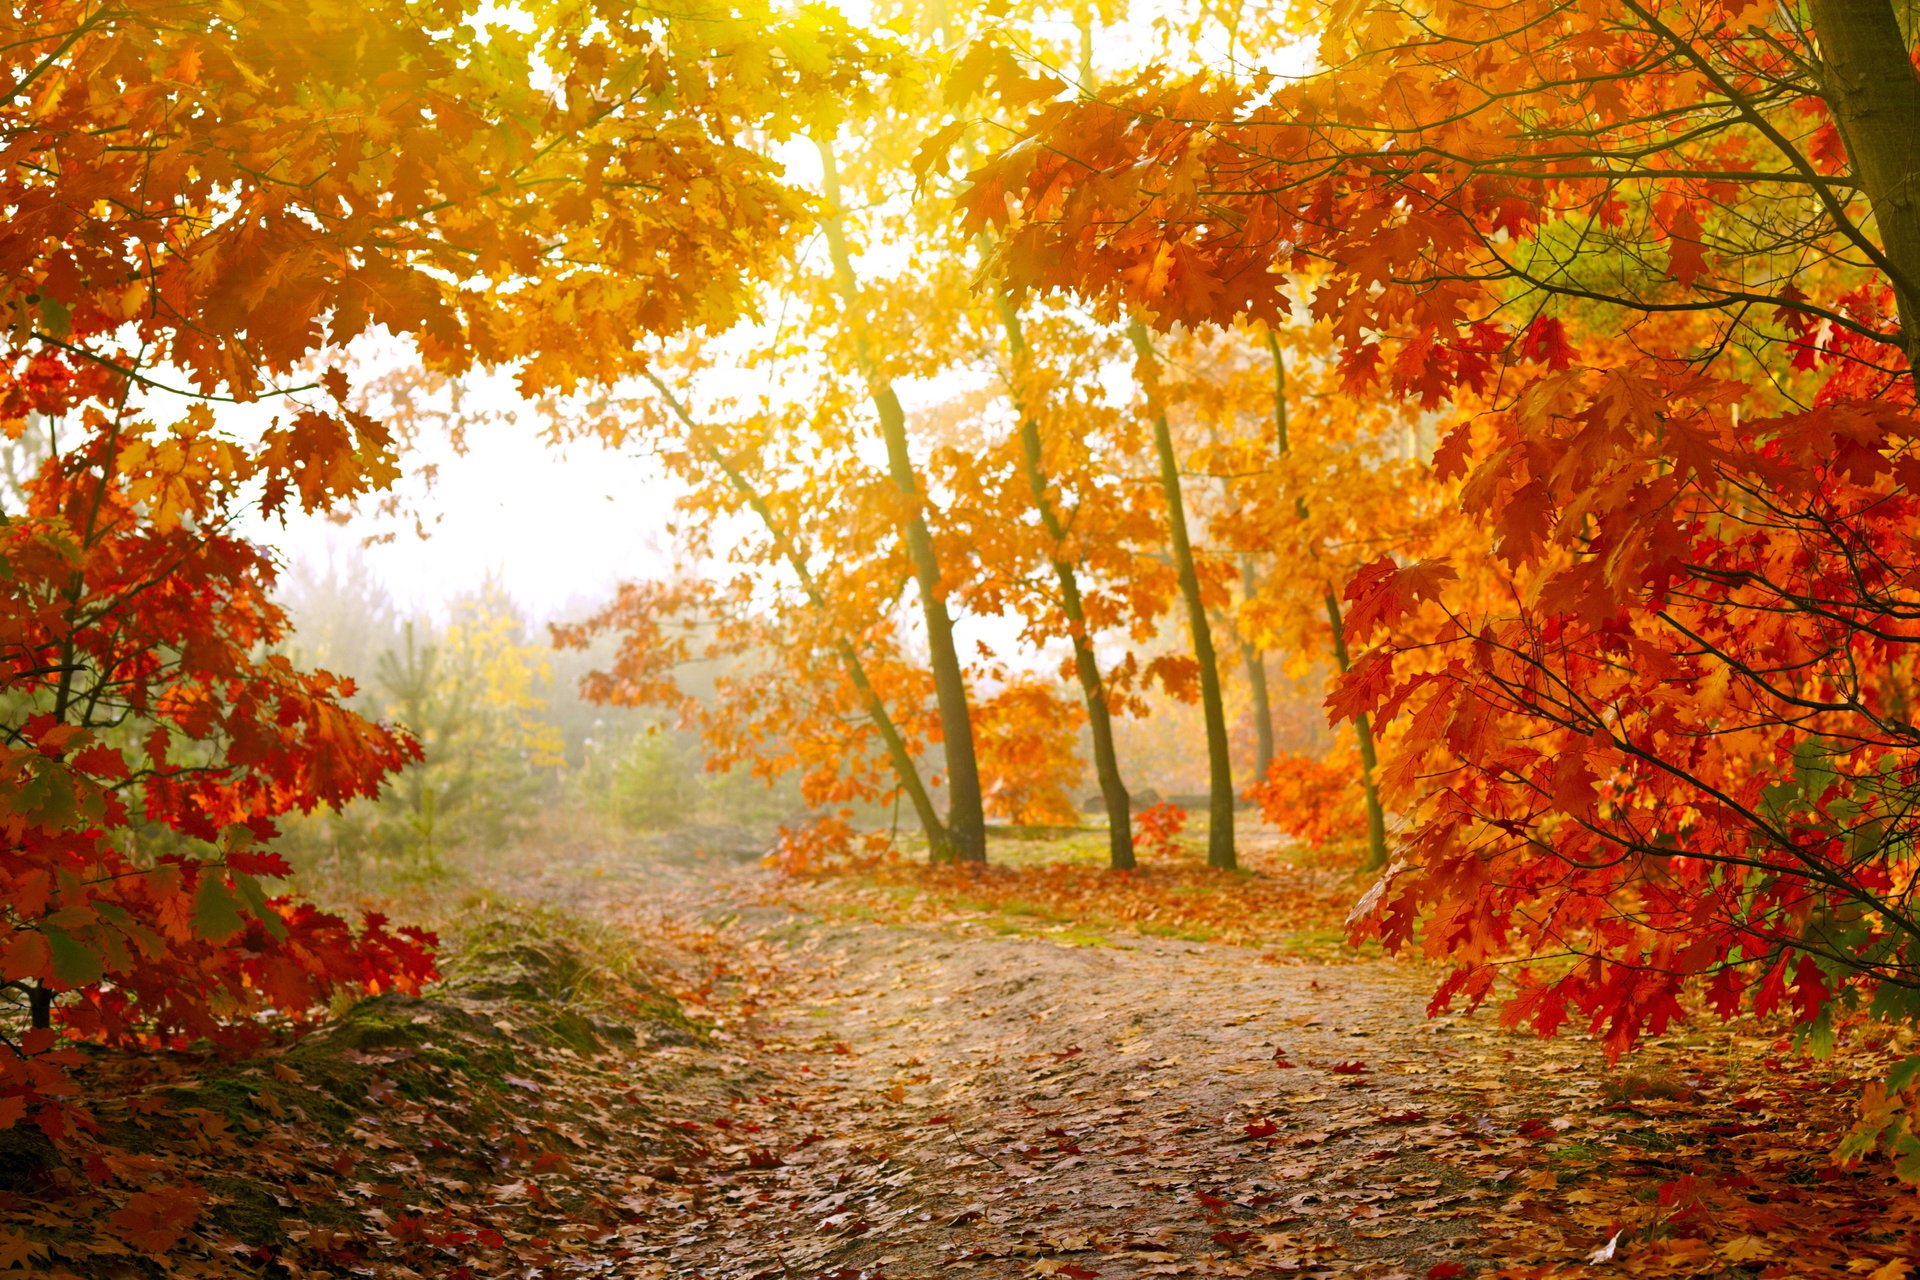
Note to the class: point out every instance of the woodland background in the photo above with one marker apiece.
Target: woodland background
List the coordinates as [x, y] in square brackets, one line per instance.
[1423, 487]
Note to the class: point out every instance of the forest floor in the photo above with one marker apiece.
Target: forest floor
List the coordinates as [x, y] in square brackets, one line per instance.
[679, 1066]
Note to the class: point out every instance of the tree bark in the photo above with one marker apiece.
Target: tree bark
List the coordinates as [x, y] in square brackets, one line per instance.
[1874, 92]
[1255, 662]
[1369, 759]
[1220, 848]
[40, 1007]
[966, 810]
[1362, 726]
[1086, 665]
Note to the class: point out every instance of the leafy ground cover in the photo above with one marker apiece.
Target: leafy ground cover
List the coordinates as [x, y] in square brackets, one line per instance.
[1054, 882]
[461, 1133]
[680, 1066]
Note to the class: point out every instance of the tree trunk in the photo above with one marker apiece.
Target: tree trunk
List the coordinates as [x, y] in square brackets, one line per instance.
[1369, 760]
[966, 811]
[1220, 796]
[905, 770]
[40, 1007]
[1086, 665]
[1253, 658]
[1362, 726]
[1874, 92]
[1255, 662]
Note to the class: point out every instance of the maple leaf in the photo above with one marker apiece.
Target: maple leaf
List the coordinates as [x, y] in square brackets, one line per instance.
[1546, 340]
[157, 1219]
[1384, 592]
[935, 150]
[18, 1249]
[1686, 256]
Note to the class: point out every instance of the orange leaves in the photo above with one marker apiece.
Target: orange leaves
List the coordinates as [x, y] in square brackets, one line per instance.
[1156, 828]
[1028, 738]
[1383, 593]
[1686, 256]
[425, 180]
[1316, 801]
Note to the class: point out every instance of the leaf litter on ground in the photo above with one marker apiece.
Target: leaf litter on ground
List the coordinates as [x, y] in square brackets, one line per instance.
[681, 1074]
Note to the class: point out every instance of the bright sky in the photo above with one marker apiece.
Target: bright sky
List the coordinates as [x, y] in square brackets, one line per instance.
[559, 527]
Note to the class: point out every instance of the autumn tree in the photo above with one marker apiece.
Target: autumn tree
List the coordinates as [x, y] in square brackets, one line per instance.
[813, 598]
[1007, 495]
[1220, 790]
[966, 816]
[1046, 496]
[200, 202]
[1312, 484]
[1655, 262]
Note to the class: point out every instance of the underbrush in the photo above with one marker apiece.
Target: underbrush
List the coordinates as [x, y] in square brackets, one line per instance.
[407, 1135]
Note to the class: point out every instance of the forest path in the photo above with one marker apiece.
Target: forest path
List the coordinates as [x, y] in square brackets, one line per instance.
[932, 1101]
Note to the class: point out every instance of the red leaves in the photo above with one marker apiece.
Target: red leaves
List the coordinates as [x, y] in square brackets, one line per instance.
[1383, 592]
[1545, 340]
[1363, 688]
[259, 862]
[156, 1220]
[1686, 255]
[1156, 829]
[165, 631]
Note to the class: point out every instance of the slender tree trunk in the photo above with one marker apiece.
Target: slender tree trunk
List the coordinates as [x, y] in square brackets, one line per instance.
[1369, 759]
[905, 770]
[40, 1007]
[1086, 665]
[1875, 96]
[966, 811]
[1255, 662]
[1220, 852]
[1251, 656]
[1362, 725]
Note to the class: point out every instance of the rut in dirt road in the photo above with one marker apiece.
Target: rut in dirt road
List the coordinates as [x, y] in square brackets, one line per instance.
[978, 1104]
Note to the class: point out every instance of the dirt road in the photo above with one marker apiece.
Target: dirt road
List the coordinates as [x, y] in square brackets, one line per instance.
[919, 1101]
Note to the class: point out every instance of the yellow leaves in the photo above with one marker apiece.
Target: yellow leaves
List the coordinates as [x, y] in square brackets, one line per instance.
[989, 69]
[936, 149]
[124, 304]
[485, 640]
[1742, 1249]
[183, 473]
